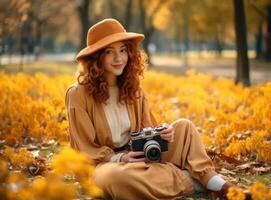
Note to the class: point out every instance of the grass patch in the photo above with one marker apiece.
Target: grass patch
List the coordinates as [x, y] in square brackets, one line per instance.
[46, 67]
[264, 178]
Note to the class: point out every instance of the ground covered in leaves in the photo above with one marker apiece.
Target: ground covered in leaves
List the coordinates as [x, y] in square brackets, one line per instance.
[234, 123]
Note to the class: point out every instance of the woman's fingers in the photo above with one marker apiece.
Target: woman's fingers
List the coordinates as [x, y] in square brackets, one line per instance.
[169, 129]
[137, 159]
[169, 136]
[134, 154]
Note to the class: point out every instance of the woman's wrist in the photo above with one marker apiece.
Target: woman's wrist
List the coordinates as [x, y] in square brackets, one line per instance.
[116, 157]
[122, 157]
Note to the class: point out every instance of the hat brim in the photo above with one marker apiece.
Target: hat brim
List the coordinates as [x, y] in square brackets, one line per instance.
[107, 41]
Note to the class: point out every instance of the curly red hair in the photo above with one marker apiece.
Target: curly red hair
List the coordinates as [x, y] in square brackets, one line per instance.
[92, 74]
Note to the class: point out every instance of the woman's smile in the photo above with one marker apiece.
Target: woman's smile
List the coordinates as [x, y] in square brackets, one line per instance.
[117, 66]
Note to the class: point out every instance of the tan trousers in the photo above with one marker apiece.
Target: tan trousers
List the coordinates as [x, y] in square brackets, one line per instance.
[165, 180]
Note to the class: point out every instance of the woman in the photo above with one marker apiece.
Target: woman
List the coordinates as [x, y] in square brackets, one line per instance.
[107, 104]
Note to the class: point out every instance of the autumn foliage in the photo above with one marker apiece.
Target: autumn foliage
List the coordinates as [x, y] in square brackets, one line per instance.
[234, 123]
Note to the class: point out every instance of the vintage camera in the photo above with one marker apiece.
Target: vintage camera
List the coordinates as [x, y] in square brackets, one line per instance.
[150, 142]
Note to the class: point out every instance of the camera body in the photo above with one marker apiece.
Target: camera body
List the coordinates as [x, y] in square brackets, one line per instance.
[150, 142]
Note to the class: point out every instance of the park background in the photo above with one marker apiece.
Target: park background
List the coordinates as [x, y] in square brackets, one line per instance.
[209, 61]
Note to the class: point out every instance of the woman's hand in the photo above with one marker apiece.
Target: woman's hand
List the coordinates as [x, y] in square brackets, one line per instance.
[168, 134]
[131, 157]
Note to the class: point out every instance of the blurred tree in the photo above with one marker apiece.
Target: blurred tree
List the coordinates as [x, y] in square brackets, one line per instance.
[149, 11]
[242, 68]
[25, 22]
[26, 41]
[128, 14]
[203, 23]
[49, 19]
[211, 22]
[181, 22]
[42, 17]
[121, 10]
[186, 17]
[12, 14]
[82, 7]
[261, 13]
[268, 33]
[256, 18]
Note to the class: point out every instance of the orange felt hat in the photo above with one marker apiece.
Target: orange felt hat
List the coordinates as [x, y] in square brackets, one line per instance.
[104, 33]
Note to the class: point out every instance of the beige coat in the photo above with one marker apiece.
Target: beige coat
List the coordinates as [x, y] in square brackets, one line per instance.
[90, 133]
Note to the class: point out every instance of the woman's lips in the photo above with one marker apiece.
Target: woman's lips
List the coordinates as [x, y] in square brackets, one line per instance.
[117, 66]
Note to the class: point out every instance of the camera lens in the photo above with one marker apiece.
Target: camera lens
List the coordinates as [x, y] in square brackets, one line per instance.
[152, 151]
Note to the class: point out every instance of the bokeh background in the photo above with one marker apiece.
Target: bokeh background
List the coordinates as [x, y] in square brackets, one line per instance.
[180, 34]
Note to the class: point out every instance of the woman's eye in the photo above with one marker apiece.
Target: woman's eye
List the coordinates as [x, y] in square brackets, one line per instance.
[108, 52]
[124, 50]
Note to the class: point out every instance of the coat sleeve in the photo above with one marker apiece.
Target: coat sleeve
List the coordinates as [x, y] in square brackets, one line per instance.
[81, 129]
[148, 119]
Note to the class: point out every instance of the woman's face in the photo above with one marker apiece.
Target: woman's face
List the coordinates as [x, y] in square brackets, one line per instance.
[115, 58]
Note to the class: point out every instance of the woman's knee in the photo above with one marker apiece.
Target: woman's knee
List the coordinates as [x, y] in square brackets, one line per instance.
[182, 122]
[104, 175]
[108, 175]
[183, 128]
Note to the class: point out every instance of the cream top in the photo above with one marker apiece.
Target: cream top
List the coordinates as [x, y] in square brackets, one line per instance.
[117, 118]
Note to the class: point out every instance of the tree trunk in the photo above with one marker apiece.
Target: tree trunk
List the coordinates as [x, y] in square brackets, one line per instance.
[218, 45]
[25, 39]
[83, 12]
[242, 68]
[23, 45]
[1, 52]
[146, 41]
[186, 17]
[2, 46]
[113, 8]
[268, 34]
[259, 44]
[2, 42]
[29, 35]
[128, 15]
[146, 21]
[38, 46]
[148, 34]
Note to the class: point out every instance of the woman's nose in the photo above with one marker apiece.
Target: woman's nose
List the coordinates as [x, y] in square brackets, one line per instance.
[117, 56]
